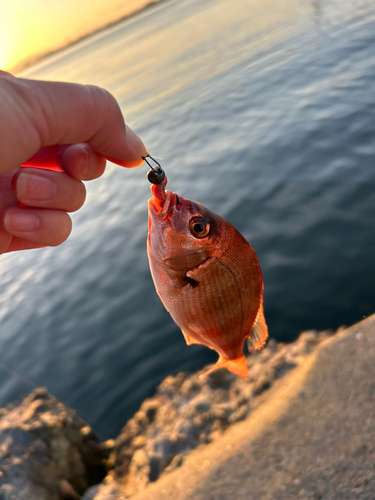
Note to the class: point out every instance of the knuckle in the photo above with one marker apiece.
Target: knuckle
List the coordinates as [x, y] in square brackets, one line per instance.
[100, 93]
[37, 106]
[101, 98]
[104, 102]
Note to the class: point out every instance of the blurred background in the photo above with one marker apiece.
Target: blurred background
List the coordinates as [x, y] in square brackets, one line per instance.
[264, 111]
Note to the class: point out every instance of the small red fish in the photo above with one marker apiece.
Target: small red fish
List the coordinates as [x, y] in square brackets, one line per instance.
[207, 276]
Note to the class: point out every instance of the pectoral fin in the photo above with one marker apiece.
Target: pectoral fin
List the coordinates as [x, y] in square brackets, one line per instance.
[205, 268]
[189, 340]
[259, 333]
[237, 366]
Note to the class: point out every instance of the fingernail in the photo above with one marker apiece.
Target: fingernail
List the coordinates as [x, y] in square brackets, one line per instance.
[35, 188]
[134, 144]
[21, 221]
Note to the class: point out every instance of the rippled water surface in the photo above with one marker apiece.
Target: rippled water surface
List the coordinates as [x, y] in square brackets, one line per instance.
[264, 112]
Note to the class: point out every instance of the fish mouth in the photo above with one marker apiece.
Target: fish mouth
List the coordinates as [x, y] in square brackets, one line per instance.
[163, 208]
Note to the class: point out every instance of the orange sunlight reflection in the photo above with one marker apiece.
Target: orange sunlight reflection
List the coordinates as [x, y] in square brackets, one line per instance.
[30, 29]
[7, 30]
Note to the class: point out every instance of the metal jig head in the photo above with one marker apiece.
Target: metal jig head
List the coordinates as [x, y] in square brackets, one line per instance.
[156, 174]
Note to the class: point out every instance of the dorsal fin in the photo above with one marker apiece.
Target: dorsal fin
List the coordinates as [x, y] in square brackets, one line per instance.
[237, 366]
[259, 333]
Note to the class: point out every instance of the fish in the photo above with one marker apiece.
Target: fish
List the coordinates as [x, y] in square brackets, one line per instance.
[207, 276]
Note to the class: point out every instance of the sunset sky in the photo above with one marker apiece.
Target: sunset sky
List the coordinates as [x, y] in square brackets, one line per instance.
[30, 28]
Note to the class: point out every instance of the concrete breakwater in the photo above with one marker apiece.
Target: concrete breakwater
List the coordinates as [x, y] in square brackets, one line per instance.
[207, 437]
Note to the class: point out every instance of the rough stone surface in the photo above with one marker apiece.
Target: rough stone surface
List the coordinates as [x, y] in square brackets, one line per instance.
[109, 490]
[312, 438]
[46, 451]
[188, 411]
[300, 427]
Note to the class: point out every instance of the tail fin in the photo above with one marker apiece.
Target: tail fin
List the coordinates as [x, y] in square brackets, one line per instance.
[237, 366]
[259, 333]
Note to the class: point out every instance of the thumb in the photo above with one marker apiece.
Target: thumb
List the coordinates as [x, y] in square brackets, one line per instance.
[36, 114]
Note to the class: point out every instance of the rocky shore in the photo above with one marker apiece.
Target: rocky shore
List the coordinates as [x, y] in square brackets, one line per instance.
[188, 411]
[48, 452]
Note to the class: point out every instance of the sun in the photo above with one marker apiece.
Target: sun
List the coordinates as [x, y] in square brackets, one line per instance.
[31, 28]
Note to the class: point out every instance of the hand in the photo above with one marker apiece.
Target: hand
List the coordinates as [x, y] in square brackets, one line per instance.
[35, 114]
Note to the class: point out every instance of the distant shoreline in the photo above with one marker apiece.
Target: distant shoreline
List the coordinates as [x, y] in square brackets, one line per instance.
[30, 61]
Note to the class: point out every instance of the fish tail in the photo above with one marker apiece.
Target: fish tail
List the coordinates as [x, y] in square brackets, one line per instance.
[237, 366]
[259, 334]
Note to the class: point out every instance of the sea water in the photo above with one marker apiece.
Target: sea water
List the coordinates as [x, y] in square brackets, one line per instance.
[264, 112]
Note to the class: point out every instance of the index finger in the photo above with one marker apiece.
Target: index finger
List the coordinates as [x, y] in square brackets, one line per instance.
[35, 114]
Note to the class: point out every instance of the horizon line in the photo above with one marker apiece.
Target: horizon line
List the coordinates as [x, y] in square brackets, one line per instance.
[31, 60]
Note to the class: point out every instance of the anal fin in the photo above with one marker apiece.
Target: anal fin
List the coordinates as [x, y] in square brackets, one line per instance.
[259, 333]
[237, 366]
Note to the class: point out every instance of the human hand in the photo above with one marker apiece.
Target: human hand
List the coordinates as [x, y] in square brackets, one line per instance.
[35, 114]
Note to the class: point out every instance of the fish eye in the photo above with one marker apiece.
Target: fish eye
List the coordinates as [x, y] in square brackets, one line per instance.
[199, 227]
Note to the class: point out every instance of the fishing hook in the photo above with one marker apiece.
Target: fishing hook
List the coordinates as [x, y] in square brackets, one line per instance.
[156, 174]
